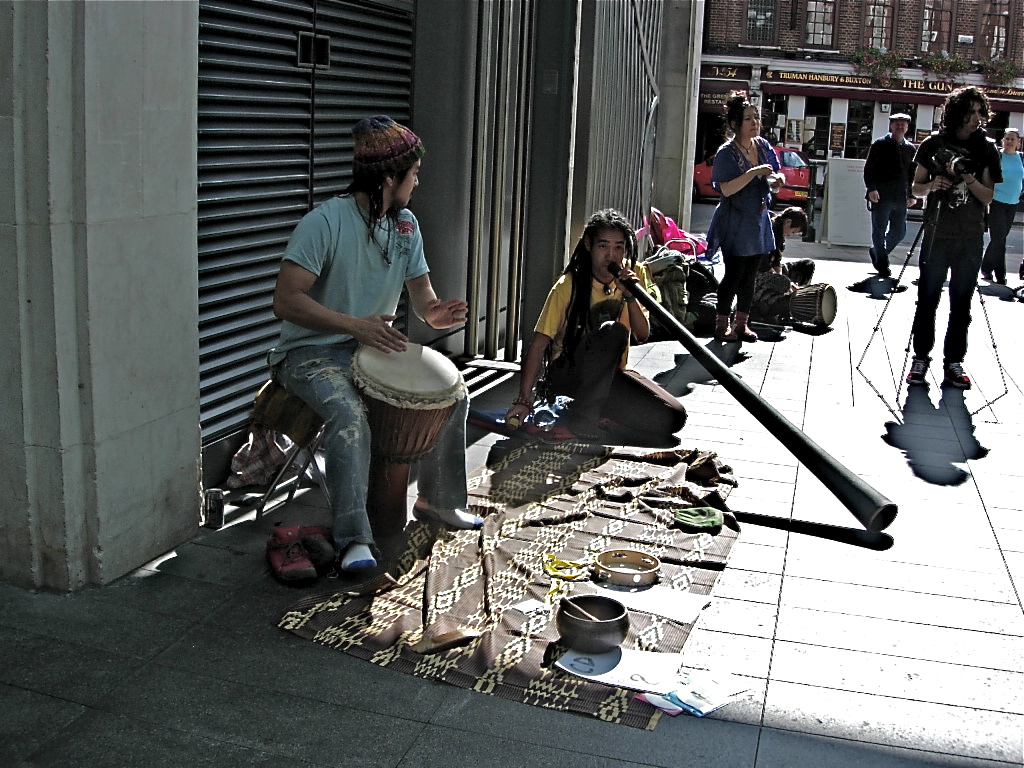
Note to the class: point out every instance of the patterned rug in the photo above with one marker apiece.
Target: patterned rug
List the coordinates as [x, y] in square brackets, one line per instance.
[475, 608]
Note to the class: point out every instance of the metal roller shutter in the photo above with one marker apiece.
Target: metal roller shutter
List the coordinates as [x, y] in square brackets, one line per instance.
[624, 97]
[281, 83]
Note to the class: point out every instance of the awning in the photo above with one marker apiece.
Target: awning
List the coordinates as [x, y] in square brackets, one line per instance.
[849, 86]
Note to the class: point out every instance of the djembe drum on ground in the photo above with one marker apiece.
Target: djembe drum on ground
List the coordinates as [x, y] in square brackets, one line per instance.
[409, 397]
[814, 304]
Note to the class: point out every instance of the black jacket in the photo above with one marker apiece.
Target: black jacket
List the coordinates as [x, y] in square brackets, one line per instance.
[889, 164]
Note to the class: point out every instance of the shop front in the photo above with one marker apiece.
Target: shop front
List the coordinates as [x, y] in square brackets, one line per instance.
[831, 114]
[717, 81]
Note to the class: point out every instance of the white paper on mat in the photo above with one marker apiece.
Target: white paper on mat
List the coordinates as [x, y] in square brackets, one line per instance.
[698, 692]
[674, 604]
[626, 668]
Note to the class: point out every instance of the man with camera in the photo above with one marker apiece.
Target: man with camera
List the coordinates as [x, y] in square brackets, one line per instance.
[957, 169]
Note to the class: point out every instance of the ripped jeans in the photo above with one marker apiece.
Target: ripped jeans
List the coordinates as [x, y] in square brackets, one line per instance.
[319, 375]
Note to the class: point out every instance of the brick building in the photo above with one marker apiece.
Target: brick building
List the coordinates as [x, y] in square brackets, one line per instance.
[827, 73]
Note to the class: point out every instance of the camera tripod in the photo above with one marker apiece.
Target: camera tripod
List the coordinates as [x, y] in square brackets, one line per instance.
[928, 226]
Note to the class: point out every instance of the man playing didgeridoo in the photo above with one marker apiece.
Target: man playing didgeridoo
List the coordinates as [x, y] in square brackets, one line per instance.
[580, 345]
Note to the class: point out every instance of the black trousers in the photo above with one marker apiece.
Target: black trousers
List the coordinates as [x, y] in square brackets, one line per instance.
[601, 389]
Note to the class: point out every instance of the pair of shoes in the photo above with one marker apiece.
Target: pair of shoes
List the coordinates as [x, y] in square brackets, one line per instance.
[986, 275]
[918, 371]
[287, 557]
[883, 270]
[454, 518]
[1000, 281]
[955, 376]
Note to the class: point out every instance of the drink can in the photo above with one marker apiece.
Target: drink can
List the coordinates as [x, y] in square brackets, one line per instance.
[213, 508]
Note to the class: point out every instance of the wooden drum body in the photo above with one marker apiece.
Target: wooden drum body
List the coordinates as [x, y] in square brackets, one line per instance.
[409, 397]
[814, 304]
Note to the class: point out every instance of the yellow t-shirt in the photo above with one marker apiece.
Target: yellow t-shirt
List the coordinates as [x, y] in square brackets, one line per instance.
[603, 307]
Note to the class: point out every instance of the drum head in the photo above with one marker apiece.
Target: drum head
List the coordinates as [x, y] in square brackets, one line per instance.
[829, 304]
[418, 378]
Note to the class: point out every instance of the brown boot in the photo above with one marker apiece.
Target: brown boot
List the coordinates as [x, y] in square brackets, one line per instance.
[741, 330]
[722, 332]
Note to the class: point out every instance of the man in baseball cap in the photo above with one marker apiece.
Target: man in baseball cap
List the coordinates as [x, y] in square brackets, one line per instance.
[888, 175]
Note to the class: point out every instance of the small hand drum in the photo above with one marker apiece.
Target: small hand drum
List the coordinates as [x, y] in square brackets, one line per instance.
[409, 397]
[814, 304]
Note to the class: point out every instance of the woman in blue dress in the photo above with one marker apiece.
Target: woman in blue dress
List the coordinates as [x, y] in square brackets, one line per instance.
[746, 172]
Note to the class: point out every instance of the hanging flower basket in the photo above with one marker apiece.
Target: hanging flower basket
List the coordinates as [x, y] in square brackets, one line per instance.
[877, 63]
[946, 67]
[999, 71]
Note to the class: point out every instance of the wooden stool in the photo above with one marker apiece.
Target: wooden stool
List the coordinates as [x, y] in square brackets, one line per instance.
[277, 409]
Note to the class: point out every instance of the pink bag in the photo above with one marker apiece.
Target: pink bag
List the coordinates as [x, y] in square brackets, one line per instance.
[665, 232]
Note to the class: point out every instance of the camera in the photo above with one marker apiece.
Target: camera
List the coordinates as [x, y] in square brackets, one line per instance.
[946, 159]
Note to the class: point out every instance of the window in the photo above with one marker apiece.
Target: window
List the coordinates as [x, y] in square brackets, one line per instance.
[995, 25]
[820, 23]
[760, 27]
[936, 26]
[878, 23]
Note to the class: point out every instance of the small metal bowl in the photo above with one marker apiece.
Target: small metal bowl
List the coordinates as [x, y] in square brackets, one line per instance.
[586, 635]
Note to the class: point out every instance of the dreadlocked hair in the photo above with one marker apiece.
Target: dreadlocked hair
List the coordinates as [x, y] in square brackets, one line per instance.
[579, 268]
[371, 183]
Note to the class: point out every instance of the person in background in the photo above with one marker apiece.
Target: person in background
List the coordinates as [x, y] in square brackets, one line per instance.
[1003, 209]
[580, 344]
[745, 172]
[338, 287]
[957, 169]
[776, 281]
[888, 177]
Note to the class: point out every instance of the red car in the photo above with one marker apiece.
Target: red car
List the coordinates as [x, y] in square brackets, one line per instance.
[795, 168]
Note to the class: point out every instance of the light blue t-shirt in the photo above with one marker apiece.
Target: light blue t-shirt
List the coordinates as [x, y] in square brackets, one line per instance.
[356, 274]
[1008, 190]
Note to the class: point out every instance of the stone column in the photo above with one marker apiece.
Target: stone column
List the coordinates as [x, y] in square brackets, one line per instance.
[99, 433]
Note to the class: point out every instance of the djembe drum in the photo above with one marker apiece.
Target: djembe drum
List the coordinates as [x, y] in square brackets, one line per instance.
[814, 304]
[409, 397]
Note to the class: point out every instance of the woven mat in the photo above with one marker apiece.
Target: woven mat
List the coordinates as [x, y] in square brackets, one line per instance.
[572, 500]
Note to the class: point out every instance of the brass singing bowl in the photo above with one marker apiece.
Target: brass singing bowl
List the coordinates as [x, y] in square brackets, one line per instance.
[592, 623]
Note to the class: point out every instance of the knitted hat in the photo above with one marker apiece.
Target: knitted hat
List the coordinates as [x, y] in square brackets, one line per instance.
[383, 145]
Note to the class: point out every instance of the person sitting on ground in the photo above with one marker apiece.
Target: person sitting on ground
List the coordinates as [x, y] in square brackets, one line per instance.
[777, 281]
[581, 340]
[338, 287]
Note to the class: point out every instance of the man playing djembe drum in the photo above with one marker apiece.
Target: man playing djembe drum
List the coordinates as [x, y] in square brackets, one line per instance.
[339, 285]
